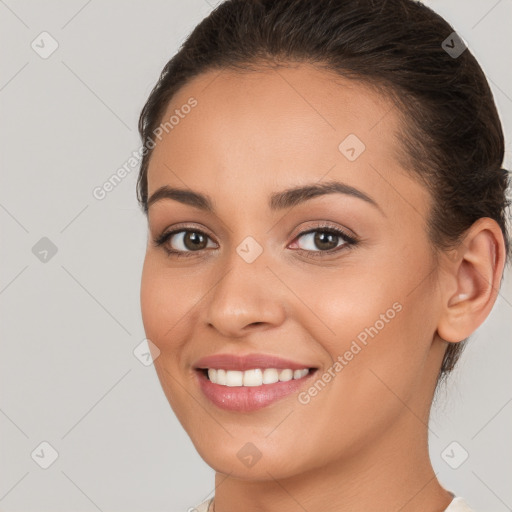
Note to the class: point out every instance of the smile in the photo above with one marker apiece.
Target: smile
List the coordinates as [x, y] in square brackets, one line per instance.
[254, 377]
[245, 391]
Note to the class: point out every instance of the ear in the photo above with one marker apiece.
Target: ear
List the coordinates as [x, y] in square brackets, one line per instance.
[471, 281]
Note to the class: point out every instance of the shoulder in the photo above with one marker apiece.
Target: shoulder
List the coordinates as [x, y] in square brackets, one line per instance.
[203, 507]
[458, 504]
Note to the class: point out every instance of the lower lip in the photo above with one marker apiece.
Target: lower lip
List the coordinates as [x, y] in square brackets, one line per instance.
[248, 398]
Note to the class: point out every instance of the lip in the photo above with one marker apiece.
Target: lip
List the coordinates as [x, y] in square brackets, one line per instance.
[247, 362]
[248, 398]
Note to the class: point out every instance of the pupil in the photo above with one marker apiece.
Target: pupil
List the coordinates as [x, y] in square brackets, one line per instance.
[195, 238]
[323, 238]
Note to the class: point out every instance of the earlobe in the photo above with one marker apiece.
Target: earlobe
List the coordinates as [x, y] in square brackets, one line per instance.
[471, 283]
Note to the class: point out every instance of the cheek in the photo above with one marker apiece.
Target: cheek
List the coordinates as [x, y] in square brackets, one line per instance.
[152, 300]
[167, 297]
[347, 304]
[378, 337]
[166, 310]
[378, 325]
[164, 305]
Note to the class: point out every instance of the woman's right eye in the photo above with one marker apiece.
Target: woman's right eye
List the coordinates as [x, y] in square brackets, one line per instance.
[186, 241]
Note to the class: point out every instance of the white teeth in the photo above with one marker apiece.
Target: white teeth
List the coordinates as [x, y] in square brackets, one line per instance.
[221, 377]
[270, 375]
[298, 374]
[254, 377]
[285, 375]
[234, 378]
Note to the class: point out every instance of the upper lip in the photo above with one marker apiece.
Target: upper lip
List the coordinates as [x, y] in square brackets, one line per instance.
[247, 362]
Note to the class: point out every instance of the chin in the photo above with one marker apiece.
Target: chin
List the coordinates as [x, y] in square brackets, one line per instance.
[246, 460]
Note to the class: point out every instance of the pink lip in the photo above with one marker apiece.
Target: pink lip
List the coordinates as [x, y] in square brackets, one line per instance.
[247, 398]
[248, 362]
[244, 399]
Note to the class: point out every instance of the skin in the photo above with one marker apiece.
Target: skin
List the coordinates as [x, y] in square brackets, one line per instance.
[361, 443]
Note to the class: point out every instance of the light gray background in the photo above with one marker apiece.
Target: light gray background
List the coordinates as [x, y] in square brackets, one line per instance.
[69, 326]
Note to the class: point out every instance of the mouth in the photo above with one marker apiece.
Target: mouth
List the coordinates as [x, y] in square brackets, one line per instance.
[254, 377]
[253, 389]
[242, 383]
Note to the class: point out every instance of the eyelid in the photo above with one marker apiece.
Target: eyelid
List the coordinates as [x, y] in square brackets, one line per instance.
[319, 225]
[184, 226]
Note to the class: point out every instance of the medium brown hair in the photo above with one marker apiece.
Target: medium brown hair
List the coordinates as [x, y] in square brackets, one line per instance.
[452, 139]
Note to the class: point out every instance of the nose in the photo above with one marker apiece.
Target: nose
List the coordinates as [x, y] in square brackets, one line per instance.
[248, 296]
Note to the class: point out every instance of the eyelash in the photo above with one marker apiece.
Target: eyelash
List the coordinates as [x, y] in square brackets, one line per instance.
[325, 228]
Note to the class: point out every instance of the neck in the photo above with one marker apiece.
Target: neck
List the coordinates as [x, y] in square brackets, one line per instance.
[394, 473]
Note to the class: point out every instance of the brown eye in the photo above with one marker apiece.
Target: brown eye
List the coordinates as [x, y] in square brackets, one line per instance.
[187, 240]
[183, 242]
[193, 240]
[322, 240]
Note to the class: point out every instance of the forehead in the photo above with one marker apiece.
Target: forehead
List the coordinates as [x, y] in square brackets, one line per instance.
[275, 127]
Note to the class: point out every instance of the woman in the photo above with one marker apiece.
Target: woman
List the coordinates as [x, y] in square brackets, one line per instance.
[326, 214]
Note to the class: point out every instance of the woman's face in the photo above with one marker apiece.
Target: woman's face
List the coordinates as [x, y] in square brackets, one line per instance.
[260, 275]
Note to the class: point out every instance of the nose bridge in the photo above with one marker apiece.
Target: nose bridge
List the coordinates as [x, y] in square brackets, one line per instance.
[246, 291]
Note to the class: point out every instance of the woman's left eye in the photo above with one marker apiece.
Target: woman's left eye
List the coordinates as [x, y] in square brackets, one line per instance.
[326, 239]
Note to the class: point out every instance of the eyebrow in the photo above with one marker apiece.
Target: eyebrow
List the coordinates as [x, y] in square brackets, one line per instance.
[278, 201]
